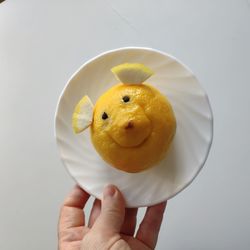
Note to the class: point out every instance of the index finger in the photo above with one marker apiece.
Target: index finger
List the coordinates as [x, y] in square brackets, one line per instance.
[72, 214]
[150, 226]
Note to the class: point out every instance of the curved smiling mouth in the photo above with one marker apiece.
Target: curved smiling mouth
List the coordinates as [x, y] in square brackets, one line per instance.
[132, 134]
[130, 130]
[130, 146]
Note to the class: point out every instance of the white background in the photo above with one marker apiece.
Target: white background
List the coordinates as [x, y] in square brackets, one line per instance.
[43, 42]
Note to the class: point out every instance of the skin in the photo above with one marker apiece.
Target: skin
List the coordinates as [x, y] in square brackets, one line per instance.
[110, 225]
[137, 134]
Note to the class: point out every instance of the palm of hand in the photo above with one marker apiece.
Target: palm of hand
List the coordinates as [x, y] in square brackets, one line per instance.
[112, 231]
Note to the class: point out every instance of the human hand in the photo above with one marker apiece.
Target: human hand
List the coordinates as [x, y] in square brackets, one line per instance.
[110, 225]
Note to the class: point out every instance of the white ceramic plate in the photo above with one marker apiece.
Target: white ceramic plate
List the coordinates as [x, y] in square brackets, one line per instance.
[190, 146]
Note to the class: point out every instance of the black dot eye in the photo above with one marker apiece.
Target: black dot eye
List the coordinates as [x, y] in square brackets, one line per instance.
[104, 116]
[125, 98]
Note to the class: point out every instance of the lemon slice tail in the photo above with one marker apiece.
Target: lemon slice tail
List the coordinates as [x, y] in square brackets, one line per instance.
[132, 73]
[83, 115]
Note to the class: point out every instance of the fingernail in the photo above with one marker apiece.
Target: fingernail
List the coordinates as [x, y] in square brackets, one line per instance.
[109, 191]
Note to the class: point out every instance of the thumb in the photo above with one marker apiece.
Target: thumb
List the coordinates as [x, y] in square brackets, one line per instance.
[112, 212]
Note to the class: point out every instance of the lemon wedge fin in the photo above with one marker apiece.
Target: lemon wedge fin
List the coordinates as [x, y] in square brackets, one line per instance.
[132, 73]
[83, 115]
